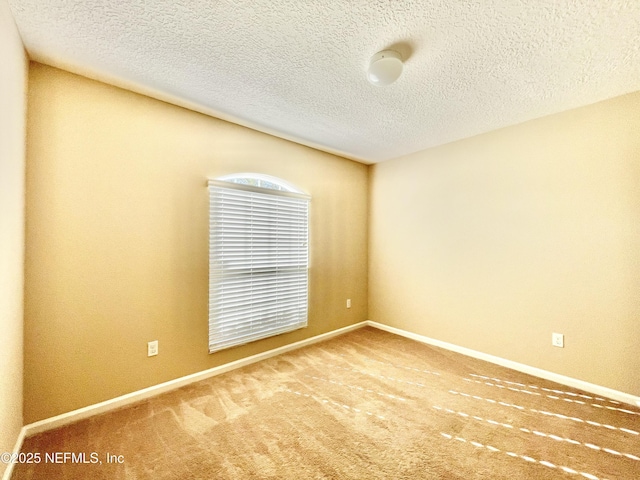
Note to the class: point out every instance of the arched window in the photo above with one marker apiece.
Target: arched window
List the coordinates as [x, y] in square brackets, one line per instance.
[260, 180]
[258, 259]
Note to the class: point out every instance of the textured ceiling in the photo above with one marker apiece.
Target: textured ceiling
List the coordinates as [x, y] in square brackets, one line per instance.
[297, 69]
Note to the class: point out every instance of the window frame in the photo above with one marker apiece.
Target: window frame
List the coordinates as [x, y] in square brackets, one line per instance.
[269, 279]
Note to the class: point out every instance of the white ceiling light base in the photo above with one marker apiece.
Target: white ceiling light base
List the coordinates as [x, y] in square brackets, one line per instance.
[385, 68]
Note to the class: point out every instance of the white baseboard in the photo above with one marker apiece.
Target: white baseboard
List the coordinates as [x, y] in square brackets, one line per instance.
[118, 402]
[16, 450]
[520, 367]
[129, 398]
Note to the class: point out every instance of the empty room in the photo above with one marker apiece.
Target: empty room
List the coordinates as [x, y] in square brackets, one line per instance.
[325, 240]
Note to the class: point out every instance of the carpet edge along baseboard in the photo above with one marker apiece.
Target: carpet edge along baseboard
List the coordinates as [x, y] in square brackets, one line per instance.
[520, 367]
[121, 401]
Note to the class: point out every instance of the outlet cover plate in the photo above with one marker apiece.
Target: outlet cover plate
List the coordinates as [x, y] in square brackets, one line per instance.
[557, 340]
[152, 348]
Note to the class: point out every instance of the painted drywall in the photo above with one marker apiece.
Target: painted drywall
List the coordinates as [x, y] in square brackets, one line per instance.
[117, 238]
[13, 83]
[495, 242]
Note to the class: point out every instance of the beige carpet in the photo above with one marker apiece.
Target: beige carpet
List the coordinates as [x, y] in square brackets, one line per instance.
[366, 405]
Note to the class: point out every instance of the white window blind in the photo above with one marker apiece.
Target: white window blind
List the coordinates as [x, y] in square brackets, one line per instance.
[258, 263]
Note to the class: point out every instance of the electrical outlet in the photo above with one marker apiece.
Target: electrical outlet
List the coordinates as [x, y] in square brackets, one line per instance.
[348, 303]
[557, 340]
[152, 348]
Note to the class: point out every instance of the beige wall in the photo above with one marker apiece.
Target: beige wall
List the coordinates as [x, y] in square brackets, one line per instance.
[117, 238]
[495, 242]
[13, 82]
